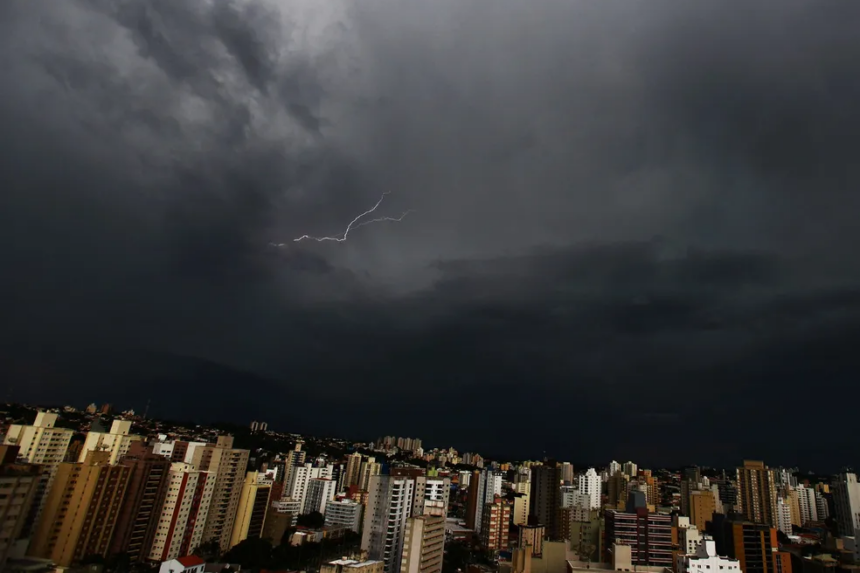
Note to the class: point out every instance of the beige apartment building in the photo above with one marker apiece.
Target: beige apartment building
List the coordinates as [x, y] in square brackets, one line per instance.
[423, 545]
[40, 443]
[228, 465]
[116, 442]
[703, 504]
[253, 505]
[81, 510]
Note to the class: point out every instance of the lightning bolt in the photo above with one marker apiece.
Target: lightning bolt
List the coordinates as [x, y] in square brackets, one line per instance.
[355, 224]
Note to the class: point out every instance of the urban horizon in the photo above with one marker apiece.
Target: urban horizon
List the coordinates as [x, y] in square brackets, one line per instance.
[296, 433]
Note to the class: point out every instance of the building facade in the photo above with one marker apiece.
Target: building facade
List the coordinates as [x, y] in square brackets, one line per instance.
[253, 505]
[495, 529]
[702, 507]
[590, 488]
[423, 545]
[228, 465]
[388, 506]
[706, 560]
[319, 492]
[18, 485]
[756, 493]
[650, 535]
[40, 443]
[756, 547]
[149, 474]
[545, 498]
[431, 496]
[181, 520]
[344, 513]
[301, 476]
[116, 442]
[81, 510]
[846, 503]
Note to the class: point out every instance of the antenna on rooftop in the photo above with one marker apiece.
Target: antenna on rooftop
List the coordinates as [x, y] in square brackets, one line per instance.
[146, 410]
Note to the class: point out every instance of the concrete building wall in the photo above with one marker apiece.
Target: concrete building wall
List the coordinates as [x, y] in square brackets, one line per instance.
[228, 465]
[138, 516]
[300, 476]
[589, 486]
[388, 506]
[346, 513]
[423, 545]
[756, 492]
[116, 442]
[18, 485]
[182, 517]
[319, 492]
[252, 508]
[80, 511]
[431, 496]
[702, 507]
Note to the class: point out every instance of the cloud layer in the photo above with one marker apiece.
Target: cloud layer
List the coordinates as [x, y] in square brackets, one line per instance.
[640, 211]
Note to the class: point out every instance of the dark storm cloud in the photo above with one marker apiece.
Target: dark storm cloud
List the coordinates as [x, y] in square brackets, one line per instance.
[155, 149]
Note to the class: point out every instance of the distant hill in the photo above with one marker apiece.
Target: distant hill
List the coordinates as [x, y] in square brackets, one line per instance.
[179, 387]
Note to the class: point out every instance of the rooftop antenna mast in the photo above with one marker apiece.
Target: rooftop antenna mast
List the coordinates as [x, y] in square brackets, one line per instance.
[146, 410]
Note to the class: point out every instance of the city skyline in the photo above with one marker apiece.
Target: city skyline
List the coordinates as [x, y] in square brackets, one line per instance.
[377, 444]
[150, 493]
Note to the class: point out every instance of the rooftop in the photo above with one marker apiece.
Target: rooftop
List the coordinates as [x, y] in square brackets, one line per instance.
[191, 560]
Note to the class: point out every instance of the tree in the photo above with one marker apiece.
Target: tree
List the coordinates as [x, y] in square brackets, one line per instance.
[209, 550]
[313, 520]
[252, 553]
[93, 559]
[458, 555]
[119, 563]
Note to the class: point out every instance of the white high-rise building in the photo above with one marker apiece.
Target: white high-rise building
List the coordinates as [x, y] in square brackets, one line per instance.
[352, 474]
[783, 516]
[689, 536]
[614, 468]
[287, 505]
[706, 560]
[489, 485]
[182, 516]
[589, 487]
[117, 441]
[166, 448]
[493, 487]
[821, 506]
[846, 499]
[318, 493]
[568, 495]
[389, 505]
[344, 512]
[806, 504]
[301, 475]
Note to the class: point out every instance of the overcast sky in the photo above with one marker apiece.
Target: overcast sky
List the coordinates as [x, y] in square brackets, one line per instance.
[635, 223]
